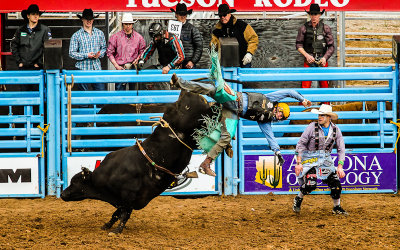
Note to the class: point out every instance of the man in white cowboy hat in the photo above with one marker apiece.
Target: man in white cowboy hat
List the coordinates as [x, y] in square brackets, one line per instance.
[229, 26]
[315, 42]
[314, 159]
[87, 45]
[27, 45]
[124, 47]
[191, 38]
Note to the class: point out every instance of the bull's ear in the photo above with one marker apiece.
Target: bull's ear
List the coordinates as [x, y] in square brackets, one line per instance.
[86, 173]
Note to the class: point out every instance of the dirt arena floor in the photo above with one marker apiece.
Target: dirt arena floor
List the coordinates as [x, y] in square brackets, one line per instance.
[242, 222]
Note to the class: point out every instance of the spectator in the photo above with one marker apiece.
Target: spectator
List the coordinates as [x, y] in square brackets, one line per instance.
[191, 37]
[264, 109]
[170, 52]
[27, 45]
[315, 42]
[124, 47]
[230, 26]
[314, 159]
[88, 45]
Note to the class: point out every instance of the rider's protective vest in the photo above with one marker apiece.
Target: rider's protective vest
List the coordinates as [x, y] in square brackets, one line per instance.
[259, 108]
[314, 40]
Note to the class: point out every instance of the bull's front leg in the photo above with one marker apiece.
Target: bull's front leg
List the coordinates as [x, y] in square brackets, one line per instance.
[116, 215]
[124, 217]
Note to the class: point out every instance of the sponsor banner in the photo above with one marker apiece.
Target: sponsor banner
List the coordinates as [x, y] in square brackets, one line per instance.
[365, 172]
[202, 5]
[19, 175]
[201, 184]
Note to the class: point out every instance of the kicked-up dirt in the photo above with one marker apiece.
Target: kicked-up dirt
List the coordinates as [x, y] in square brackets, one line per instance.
[242, 222]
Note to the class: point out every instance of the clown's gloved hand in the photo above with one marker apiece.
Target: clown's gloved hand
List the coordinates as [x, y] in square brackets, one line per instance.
[247, 58]
[280, 158]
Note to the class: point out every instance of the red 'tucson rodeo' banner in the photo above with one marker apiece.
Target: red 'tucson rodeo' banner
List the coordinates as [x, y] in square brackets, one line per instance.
[200, 5]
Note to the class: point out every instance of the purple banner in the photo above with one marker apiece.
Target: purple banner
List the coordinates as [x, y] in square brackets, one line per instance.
[365, 172]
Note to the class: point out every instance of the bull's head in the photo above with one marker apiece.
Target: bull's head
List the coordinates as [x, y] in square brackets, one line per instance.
[77, 190]
[186, 113]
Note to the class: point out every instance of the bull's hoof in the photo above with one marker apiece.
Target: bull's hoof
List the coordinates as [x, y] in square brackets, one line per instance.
[106, 226]
[117, 230]
[174, 81]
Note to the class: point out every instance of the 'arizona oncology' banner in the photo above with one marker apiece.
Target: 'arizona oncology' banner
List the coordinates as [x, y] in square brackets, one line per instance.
[201, 5]
[365, 173]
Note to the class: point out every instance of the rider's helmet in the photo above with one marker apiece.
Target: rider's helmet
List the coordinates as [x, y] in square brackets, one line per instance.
[284, 108]
[155, 29]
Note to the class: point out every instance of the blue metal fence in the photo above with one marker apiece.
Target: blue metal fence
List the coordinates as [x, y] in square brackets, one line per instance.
[81, 145]
[21, 138]
[251, 141]
[378, 136]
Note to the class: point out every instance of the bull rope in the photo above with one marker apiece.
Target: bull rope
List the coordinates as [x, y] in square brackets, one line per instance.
[163, 123]
[152, 162]
[398, 133]
[69, 110]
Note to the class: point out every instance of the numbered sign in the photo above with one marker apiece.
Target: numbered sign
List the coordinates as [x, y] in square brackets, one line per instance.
[175, 27]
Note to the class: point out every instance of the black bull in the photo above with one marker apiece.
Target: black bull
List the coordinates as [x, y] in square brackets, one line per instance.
[126, 179]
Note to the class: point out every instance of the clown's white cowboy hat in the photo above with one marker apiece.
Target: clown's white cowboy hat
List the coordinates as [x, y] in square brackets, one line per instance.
[325, 110]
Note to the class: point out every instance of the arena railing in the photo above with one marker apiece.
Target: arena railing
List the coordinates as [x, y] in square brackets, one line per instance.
[22, 129]
[368, 135]
[371, 150]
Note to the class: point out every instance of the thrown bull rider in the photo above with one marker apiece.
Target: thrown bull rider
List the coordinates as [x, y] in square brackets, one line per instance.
[314, 159]
[264, 109]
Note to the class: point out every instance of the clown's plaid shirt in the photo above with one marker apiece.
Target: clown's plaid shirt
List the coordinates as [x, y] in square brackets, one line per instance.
[82, 43]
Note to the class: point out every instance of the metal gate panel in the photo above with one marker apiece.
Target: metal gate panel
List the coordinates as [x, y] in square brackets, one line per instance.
[80, 134]
[22, 133]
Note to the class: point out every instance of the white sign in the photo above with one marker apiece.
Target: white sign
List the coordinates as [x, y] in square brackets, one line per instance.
[75, 164]
[175, 27]
[203, 183]
[19, 175]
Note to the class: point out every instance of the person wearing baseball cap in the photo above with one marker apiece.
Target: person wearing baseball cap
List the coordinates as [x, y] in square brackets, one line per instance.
[124, 47]
[314, 159]
[27, 45]
[229, 26]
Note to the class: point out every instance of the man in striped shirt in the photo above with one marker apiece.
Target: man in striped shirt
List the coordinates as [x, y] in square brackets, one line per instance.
[88, 45]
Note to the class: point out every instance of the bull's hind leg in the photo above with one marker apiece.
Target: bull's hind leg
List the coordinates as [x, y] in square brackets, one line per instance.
[125, 215]
[116, 215]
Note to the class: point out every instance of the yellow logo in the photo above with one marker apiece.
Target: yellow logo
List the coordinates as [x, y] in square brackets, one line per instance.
[311, 160]
[269, 173]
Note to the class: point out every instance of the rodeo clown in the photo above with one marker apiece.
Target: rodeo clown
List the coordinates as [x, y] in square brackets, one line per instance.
[253, 106]
[314, 159]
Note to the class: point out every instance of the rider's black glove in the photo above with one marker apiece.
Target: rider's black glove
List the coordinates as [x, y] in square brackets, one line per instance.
[280, 158]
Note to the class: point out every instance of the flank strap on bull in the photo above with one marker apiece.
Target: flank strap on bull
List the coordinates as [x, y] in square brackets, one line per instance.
[152, 162]
[163, 123]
